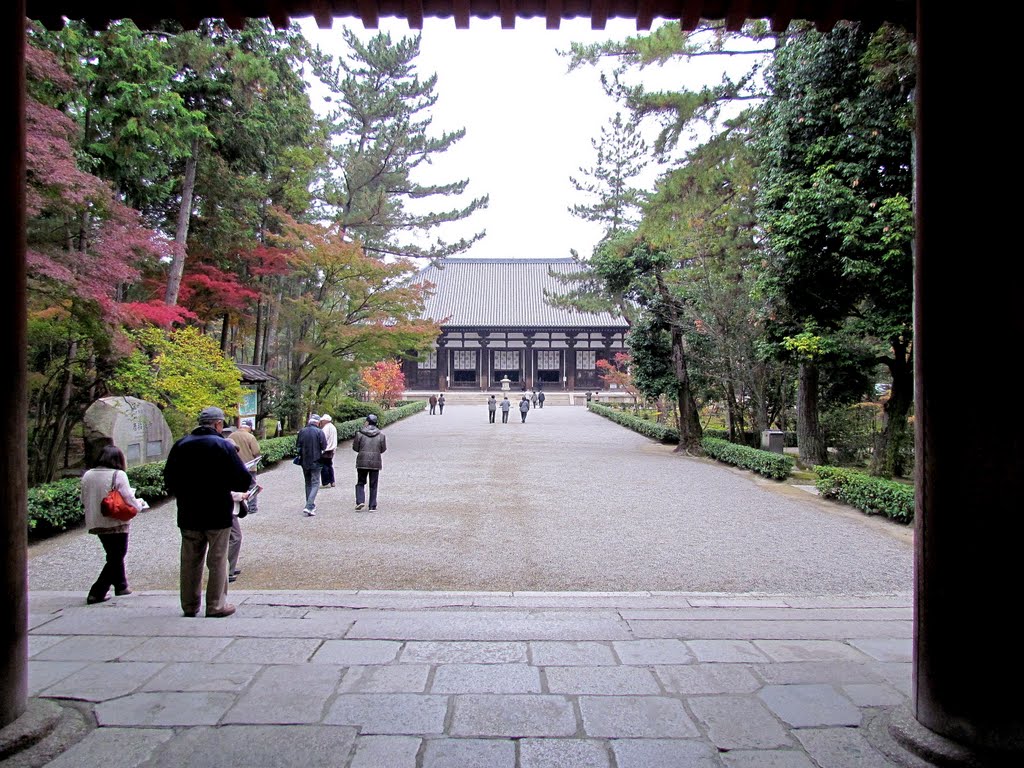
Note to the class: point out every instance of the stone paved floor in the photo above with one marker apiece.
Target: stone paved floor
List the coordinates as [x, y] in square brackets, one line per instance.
[483, 680]
[557, 593]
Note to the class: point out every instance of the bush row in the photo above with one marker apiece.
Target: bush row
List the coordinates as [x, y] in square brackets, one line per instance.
[751, 439]
[773, 465]
[872, 495]
[636, 423]
[57, 506]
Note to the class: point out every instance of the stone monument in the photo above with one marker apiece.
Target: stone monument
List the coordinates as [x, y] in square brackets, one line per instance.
[506, 383]
[135, 426]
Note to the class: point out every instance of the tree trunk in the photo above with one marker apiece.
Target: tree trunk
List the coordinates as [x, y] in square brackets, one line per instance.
[888, 457]
[257, 344]
[690, 431]
[225, 333]
[808, 431]
[188, 186]
[730, 407]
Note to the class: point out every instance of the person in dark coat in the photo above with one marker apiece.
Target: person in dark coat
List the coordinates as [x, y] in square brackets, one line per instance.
[540, 398]
[201, 471]
[492, 407]
[524, 407]
[310, 444]
[369, 443]
[433, 404]
[506, 405]
[440, 404]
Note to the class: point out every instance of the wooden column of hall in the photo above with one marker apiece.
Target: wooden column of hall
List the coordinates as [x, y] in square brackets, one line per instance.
[968, 664]
[13, 528]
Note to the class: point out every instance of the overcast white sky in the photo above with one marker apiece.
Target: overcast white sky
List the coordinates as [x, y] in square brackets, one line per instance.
[529, 123]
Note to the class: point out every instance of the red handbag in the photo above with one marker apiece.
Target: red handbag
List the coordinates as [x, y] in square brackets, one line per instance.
[114, 505]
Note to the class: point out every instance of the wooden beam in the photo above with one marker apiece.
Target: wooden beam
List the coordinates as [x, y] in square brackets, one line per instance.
[508, 14]
[690, 16]
[462, 13]
[644, 14]
[322, 14]
[414, 13]
[598, 14]
[554, 14]
[278, 14]
[830, 16]
[739, 10]
[784, 12]
[369, 13]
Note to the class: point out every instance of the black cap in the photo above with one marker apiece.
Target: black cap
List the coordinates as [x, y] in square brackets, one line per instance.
[372, 418]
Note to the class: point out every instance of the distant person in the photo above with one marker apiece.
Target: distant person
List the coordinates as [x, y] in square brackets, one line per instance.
[109, 473]
[433, 404]
[506, 405]
[588, 395]
[310, 444]
[201, 471]
[369, 443]
[533, 398]
[248, 452]
[540, 398]
[440, 404]
[524, 407]
[492, 407]
[327, 459]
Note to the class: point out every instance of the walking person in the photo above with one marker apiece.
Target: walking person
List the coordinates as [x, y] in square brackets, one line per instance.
[433, 404]
[369, 443]
[440, 404]
[492, 407]
[540, 398]
[533, 398]
[310, 445]
[109, 473]
[201, 471]
[506, 405]
[327, 459]
[524, 407]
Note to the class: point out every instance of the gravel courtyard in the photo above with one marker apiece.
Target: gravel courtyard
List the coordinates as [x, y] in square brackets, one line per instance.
[566, 501]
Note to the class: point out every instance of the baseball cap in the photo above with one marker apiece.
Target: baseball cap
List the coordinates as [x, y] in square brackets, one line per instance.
[325, 417]
[211, 414]
[372, 418]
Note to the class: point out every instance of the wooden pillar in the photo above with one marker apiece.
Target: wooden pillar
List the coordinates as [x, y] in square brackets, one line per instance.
[968, 668]
[13, 463]
[570, 365]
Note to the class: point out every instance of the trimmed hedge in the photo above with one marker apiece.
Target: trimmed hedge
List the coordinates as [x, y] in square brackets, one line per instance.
[57, 506]
[774, 465]
[871, 495]
[637, 424]
[751, 439]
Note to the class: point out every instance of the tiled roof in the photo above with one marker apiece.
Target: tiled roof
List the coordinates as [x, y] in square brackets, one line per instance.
[252, 374]
[504, 293]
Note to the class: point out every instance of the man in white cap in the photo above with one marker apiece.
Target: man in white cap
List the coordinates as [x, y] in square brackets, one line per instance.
[327, 460]
[309, 447]
[201, 471]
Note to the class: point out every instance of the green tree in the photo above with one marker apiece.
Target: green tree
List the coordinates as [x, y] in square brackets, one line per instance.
[835, 143]
[379, 140]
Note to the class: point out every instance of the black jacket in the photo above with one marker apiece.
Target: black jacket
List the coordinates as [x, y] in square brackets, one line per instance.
[369, 443]
[310, 444]
[202, 470]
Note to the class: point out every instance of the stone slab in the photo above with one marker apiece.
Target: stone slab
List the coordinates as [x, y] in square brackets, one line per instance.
[87, 649]
[810, 706]
[407, 714]
[840, 748]
[464, 653]
[601, 681]
[268, 650]
[43, 674]
[707, 679]
[738, 722]
[469, 753]
[873, 695]
[562, 753]
[114, 748]
[772, 630]
[165, 708]
[286, 695]
[651, 652]
[725, 651]
[396, 678]
[202, 676]
[624, 717]
[104, 680]
[280, 746]
[808, 650]
[486, 678]
[766, 758]
[566, 654]
[837, 672]
[513, 716]
[476, 627]
[886, 649]
[663, 753]
[177, 648]
[385, 752]
[357, 652]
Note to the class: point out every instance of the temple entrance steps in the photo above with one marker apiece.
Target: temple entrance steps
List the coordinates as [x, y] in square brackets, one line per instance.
[479, 397]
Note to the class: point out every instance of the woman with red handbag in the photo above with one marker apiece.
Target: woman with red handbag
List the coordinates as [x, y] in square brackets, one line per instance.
[109, 475]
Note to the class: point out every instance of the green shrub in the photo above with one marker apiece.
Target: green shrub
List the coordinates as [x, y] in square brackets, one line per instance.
[275, 449]
[774, 465]
[54, 507]
[872, 495]
[750, 439]
[148, 481]
[350, 409]
[637, 424]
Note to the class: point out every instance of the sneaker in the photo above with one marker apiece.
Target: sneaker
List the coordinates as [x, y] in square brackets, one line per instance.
[372, 509]
[360, 506]
[309, 512]
[122, 592]
[227, 610]
[232, 578]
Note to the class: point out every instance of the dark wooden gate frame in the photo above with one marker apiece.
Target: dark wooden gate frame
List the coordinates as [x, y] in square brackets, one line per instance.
[968, 667]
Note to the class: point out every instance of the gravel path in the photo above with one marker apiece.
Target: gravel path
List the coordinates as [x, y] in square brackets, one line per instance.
[567, 501]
